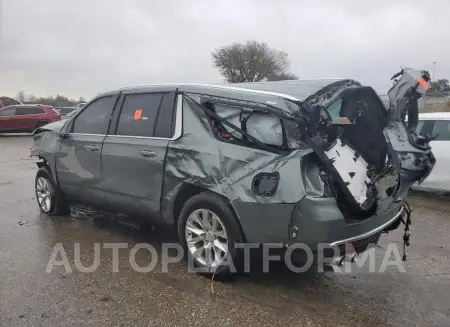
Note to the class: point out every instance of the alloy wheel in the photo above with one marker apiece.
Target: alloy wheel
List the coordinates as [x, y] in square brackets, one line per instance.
[206, 238]
[44, 194]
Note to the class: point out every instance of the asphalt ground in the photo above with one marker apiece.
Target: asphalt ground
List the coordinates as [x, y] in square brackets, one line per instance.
[30, 296]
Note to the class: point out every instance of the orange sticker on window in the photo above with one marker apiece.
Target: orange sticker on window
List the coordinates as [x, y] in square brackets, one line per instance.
[423, 83]
[138, 114]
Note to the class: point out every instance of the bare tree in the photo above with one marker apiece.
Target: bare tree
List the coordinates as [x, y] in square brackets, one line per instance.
[21, 97]
[250, 62]
[31, 98]
[438, 87]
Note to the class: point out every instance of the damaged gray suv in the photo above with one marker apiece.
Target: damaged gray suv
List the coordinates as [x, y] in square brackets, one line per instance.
[312, 162]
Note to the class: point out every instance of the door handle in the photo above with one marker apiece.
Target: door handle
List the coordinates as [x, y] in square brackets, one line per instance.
[92, 148]
[147, 154]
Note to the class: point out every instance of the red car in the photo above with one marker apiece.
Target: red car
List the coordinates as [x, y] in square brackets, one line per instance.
[26, 118]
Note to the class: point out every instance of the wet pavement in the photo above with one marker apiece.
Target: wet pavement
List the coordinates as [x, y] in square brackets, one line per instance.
[29, 296]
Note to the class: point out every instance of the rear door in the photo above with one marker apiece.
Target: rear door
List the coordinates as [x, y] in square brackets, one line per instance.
[134, 151]
[7, 118]
[78, 164]
[28, 117]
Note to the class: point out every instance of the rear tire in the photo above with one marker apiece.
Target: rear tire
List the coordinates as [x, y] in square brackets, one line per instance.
[49, 197]
[208, 231]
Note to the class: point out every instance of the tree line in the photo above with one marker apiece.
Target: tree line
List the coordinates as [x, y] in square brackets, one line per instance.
[57, 101]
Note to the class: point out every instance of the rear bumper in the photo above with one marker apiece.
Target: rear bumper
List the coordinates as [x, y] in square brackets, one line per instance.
[319, 221]
[312, 221]
[370, 233]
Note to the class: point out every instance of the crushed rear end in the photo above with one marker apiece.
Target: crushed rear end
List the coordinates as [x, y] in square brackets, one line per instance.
[369, 154]
[366, 157]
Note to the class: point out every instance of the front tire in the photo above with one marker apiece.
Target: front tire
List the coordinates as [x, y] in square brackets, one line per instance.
[48, 195]
[209, 231]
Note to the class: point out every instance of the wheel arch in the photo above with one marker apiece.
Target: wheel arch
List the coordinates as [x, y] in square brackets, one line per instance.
[44, 163]
[187, 191]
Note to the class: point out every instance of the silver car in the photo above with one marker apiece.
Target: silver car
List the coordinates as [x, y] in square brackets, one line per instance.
[316, 162]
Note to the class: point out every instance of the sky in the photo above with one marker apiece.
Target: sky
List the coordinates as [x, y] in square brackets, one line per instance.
[85, 47]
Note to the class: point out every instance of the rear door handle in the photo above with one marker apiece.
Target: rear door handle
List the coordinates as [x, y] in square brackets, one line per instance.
[92, 148]
[147, 154]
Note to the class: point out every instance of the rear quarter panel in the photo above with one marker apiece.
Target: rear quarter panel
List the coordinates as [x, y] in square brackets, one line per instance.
[199, 159]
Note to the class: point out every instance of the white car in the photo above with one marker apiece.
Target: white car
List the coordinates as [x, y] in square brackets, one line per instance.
[437, 124]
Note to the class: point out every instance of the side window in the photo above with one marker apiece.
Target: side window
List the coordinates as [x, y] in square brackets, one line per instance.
[37, 110]
[8, 112]
[442, 130]
[29, 111]
[265, 128]
[138, 114]
[94, 119]
[165, 123]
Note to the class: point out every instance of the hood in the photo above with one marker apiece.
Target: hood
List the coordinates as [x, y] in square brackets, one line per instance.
[55, 127]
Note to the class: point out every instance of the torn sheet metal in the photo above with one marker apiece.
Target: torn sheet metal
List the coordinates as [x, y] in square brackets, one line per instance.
[47, 143]
[412, 153]
[403, 95]
[225, 168]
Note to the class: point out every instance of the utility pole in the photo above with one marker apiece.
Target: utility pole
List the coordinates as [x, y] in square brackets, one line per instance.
[434, 69]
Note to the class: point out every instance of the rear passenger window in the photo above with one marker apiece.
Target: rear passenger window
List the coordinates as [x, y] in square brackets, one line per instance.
[8, 112]
[29, 111]
[95, 118]
[442, 130]
[138, 114]
[165, 123]
[265, 128]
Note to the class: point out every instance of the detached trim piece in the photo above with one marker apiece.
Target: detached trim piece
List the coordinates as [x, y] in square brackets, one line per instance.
[265, 184]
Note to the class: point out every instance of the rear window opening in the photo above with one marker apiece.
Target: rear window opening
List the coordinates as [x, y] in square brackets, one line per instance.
[236, 122]
[263, 127]
[353, 153]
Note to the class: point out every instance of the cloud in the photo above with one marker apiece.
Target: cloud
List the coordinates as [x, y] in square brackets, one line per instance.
[81, 48]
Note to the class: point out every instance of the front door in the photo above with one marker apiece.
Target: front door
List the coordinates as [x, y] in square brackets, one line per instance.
[133, 154]
[78, 163]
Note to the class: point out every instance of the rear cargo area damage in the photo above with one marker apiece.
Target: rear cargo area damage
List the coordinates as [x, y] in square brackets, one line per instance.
[371, 155]
[366, 156]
